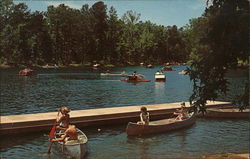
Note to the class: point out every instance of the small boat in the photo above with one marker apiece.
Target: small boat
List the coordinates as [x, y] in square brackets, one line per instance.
[159, 126]
[183, 72]
[96, 65]
[27, 72]
[75, 148]
[226, 113]
[135, 78]
[167, 68]
[50, 66]
[160, 77]
[149, 66]
[111, 74]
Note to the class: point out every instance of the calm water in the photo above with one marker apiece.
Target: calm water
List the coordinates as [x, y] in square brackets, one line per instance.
[84, 89]
[203, 138]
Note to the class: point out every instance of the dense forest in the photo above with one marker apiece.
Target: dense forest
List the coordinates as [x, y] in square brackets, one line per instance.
[213, 43]
[64, 35]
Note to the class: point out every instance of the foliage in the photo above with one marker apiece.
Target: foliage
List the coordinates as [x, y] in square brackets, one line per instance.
[222, 42]
[64, 36]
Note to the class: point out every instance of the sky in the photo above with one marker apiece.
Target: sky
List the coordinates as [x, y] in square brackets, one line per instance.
[161, 12]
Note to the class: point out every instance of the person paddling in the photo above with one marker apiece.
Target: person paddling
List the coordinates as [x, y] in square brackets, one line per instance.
[63, 118]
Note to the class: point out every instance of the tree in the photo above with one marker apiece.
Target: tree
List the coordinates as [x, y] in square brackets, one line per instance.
[225, 42]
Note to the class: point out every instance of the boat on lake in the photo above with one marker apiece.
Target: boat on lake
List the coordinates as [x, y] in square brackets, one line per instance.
[27, 72]
[159, 126]
[160, 77]
[135, 78]
[50, 66]
[183, 72]
[149, 66]
[167, 68]
[97, 65]
[226, 113]
[123, 74]
[75, 148]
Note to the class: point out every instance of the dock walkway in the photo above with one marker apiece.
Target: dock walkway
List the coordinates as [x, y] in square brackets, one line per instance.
[81, 118]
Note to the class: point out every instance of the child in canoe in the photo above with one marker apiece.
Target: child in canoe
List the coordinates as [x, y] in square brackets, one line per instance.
[182, 113]
[69, 134]
[144, 116]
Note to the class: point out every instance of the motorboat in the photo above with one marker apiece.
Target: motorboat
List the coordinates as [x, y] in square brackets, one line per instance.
[160, 76]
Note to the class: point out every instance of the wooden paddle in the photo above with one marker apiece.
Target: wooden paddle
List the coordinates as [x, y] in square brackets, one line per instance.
[52, 135]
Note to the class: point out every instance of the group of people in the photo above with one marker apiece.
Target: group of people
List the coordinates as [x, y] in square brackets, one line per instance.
[182, 114]
[63, 126]
[70, 131]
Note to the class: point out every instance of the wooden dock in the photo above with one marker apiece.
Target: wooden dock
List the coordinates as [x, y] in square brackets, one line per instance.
[91, 117]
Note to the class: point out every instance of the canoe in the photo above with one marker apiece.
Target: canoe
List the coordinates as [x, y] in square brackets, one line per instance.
[75, 148]
[127, 80]
[149, 66]
[135, 78]
[27, 72]
[110, 74]
[182, 72]
[50, 66]
[167, 68]
[159, 126]
[226, 113]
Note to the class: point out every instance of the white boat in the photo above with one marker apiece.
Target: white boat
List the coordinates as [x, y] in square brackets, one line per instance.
[75, 148]
[96, 65]
[113, 74]
[183, 72]
[159, 76]
[49, 66]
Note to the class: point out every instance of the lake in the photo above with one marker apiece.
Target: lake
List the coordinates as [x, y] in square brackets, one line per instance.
[85, 89]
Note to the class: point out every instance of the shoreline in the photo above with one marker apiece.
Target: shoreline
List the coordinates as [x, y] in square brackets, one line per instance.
[227, 156]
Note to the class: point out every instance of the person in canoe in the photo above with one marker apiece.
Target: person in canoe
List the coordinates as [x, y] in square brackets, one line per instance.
[63, 118]
[181, 113]
[69, 134]
[144, 116]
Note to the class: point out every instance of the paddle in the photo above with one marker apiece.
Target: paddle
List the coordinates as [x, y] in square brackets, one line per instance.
[52, 135]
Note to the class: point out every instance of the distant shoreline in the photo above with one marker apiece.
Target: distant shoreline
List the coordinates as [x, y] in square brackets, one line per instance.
[227, 156]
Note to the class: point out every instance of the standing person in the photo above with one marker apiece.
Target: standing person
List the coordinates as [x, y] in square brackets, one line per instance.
[63, 118]
[144, 116]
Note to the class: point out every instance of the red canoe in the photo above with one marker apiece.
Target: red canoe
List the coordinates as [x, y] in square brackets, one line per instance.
[135, 78]
[27, 72]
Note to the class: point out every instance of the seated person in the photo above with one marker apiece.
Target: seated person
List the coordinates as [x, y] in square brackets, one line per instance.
[144, 116]
[182, 113]
[63, 118]
[70, 134]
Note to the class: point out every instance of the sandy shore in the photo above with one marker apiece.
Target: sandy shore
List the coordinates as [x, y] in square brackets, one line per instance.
[227, 156]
